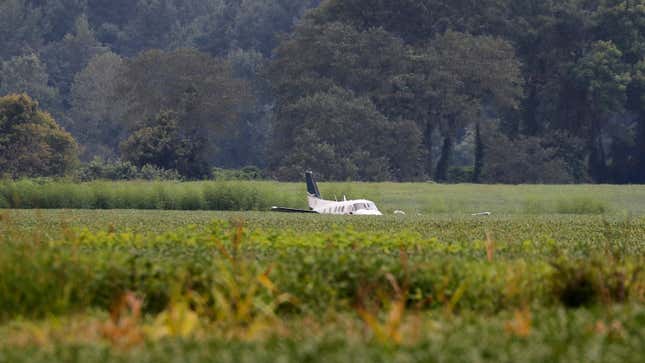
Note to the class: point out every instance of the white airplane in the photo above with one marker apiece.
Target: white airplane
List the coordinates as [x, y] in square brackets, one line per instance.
[359, 207]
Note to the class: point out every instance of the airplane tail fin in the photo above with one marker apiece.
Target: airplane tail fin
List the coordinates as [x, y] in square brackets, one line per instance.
[312, 187]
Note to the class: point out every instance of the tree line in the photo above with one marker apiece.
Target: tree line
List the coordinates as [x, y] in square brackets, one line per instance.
[511, 91]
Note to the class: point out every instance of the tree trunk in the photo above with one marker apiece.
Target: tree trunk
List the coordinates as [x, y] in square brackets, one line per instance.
[427, 142]
[446, 156]
[479, 155]
[597, 159]
[639, 175]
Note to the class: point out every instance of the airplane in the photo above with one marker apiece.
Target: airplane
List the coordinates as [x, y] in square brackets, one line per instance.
[317, 205]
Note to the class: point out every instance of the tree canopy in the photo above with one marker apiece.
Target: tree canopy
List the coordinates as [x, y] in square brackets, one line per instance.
[31, 142]
[262, 81]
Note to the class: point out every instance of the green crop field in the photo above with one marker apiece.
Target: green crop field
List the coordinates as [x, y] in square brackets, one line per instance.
[555, 274]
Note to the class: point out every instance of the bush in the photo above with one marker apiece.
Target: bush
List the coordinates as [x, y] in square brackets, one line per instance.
[578, 283]
[98, 169]
[460, 174]
[246, 173]
[575, 285]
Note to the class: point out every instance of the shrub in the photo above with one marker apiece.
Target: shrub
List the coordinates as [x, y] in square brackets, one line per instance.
[460, 174]
[246, 173]
[603, 279]
[151, 172]
[98, 169]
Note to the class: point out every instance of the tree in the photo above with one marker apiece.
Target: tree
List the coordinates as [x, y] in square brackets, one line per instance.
[530, 161]
[479, 155]
[198, 88]
[335, 133]
[222, 26]
[259, 22]
[317, 58]
[636, 103]
[27, 74]
[97, 111]
[161, 142]
[150, 27]
[456, 81]
[246, 142]
[604, 79]
[320, 63]
[21, 31]
[31, 143]
[116, 12]
[67, 57]
[416, 21]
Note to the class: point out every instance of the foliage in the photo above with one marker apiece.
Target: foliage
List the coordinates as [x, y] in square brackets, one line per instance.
[431, 68]
[246, 173]
[27, 74]
[31, 142]
[70, 55]
[162, 143]
[96, 111]
[19, 28]
[419, 84]
[479, 155]
[530, 162]
[329, 132]
[198, 88]
[98, 169]
[414, 199]
[218, 287]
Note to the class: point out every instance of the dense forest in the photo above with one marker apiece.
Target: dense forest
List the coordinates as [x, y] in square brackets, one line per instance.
[490, 91]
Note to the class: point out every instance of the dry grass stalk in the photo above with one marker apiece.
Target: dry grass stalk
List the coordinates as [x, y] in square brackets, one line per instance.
[123, 329]
[521, 323]
[490, 247]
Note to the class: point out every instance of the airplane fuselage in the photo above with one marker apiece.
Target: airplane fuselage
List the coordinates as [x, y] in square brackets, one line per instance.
[360, 207]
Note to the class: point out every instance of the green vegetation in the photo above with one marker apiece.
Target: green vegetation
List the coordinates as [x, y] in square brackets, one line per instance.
[31, 142]
[238, 195]
[148, 286]
[494, 91]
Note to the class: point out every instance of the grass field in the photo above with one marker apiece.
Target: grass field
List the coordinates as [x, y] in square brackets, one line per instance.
[261, 196]
[554, 275]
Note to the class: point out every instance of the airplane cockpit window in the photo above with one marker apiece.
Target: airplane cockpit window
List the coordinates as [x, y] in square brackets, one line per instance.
[364, 206]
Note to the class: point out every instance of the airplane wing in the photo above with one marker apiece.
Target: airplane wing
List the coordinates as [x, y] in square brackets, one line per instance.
[291, 210]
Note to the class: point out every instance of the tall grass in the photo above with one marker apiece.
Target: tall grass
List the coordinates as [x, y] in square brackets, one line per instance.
[30, 194]
[413, 198]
